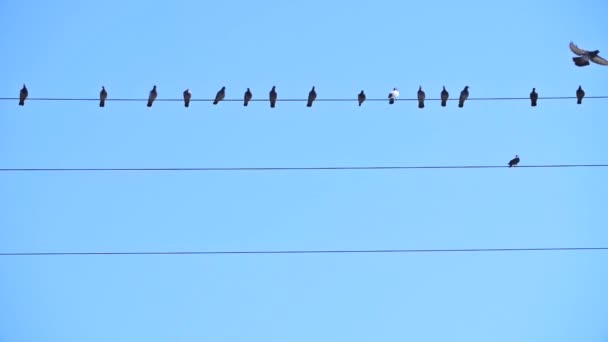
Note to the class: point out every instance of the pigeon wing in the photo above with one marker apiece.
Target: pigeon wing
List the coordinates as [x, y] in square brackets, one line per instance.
[599, 60]
[577, 50]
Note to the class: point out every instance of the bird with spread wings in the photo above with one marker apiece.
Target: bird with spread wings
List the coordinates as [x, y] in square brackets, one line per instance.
[586, 56]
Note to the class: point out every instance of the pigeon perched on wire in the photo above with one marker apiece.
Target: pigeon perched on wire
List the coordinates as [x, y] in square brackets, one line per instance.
[187, 98]
[272, 96]
[421, 96]
[361, 98]
[514, 161]
[220, 95]
[103, 95]
[152, 96]
[533, 97]
[586, 56]
[23, 95]
[393, 95]
[464, 95]
[444, 97]
[580, 93]
[247, 97]
[312, 96]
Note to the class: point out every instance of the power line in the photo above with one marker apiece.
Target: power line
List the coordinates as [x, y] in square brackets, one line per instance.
[351, 251]
[313, 168]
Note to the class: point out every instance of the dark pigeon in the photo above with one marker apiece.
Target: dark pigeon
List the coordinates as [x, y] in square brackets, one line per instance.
[187, 97]
[248, 96]
[533, 97]
[580, 93]
[273, 96]
[361, 97]
[421, 97]
[514, 161]
[103, 95]
[220, 95]
[312, 96]
[586, 56]
[444, 97]
[464, 95]
[23, 95]
[152, 97]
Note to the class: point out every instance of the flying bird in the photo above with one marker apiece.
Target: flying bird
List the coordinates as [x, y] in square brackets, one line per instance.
[393, 95]
[187, 97]
[444, 97]
[248, 96]
[312, 95]
[220, 95]
[23, 95]
[464, 95]
[273, 96]
[361, 97]
[586, 56]
[152, 97]
[580, 93]
[421, 97]
[533, 97]
[103, 95]
[514, 161]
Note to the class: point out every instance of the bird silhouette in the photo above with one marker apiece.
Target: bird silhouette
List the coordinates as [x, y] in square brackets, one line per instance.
[361, 97]
[464, 95]
[247, 97]
[187, 98]
[273, 96]
[152, 96]
[586, 56]
[580, 93]
[312, 95]
[533, 97]
[103, 95]
[220, 95]
[444, 97]
[23, 95]
[514, 161]
[393, 95]
[421, 96]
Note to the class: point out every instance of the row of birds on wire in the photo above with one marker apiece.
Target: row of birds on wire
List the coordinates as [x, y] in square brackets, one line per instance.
[312, 96]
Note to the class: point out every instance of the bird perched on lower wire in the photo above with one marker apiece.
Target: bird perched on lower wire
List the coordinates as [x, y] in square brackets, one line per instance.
[361, 98]
[514, 161]
[247, 97]
[533, 97]
[586, 56]
[312, 96]
[187, 98]
[421, 96]
[580, 93]
[103, 95]
[464, 95]
[393, 95]
[444, 97]
[272, 96]
[220, 95]
[152, 96]
[23, 95]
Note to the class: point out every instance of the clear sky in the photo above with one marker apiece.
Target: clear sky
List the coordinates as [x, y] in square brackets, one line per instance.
[500, 49]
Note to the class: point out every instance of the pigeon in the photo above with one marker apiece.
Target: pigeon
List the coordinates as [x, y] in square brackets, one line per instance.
[312, 95]
[392, 96]
[23, 95]
[580, 93]
[514, 161]
[103, 95]
[152, 97]
[273, 96]
[220, 95]
[187, 97]
[533, 97]
[421, 97]
[464, 95]
[361, 97]
[444, 97]
[586, 56]
[247, 97]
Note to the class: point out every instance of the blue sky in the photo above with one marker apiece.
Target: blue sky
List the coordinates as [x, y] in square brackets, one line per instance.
[72, 48]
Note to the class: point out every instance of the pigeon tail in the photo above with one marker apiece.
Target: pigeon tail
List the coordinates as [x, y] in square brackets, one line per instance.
[443, 103]
[21, 102]
[101, 104]
[461, 104]
[187, 104]
[309, 104]
[149, 103]
[245, 103]
[391, 101]
[272, 105]
[579, 101]
[420, 104]
[580, 61]
[215, 102]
